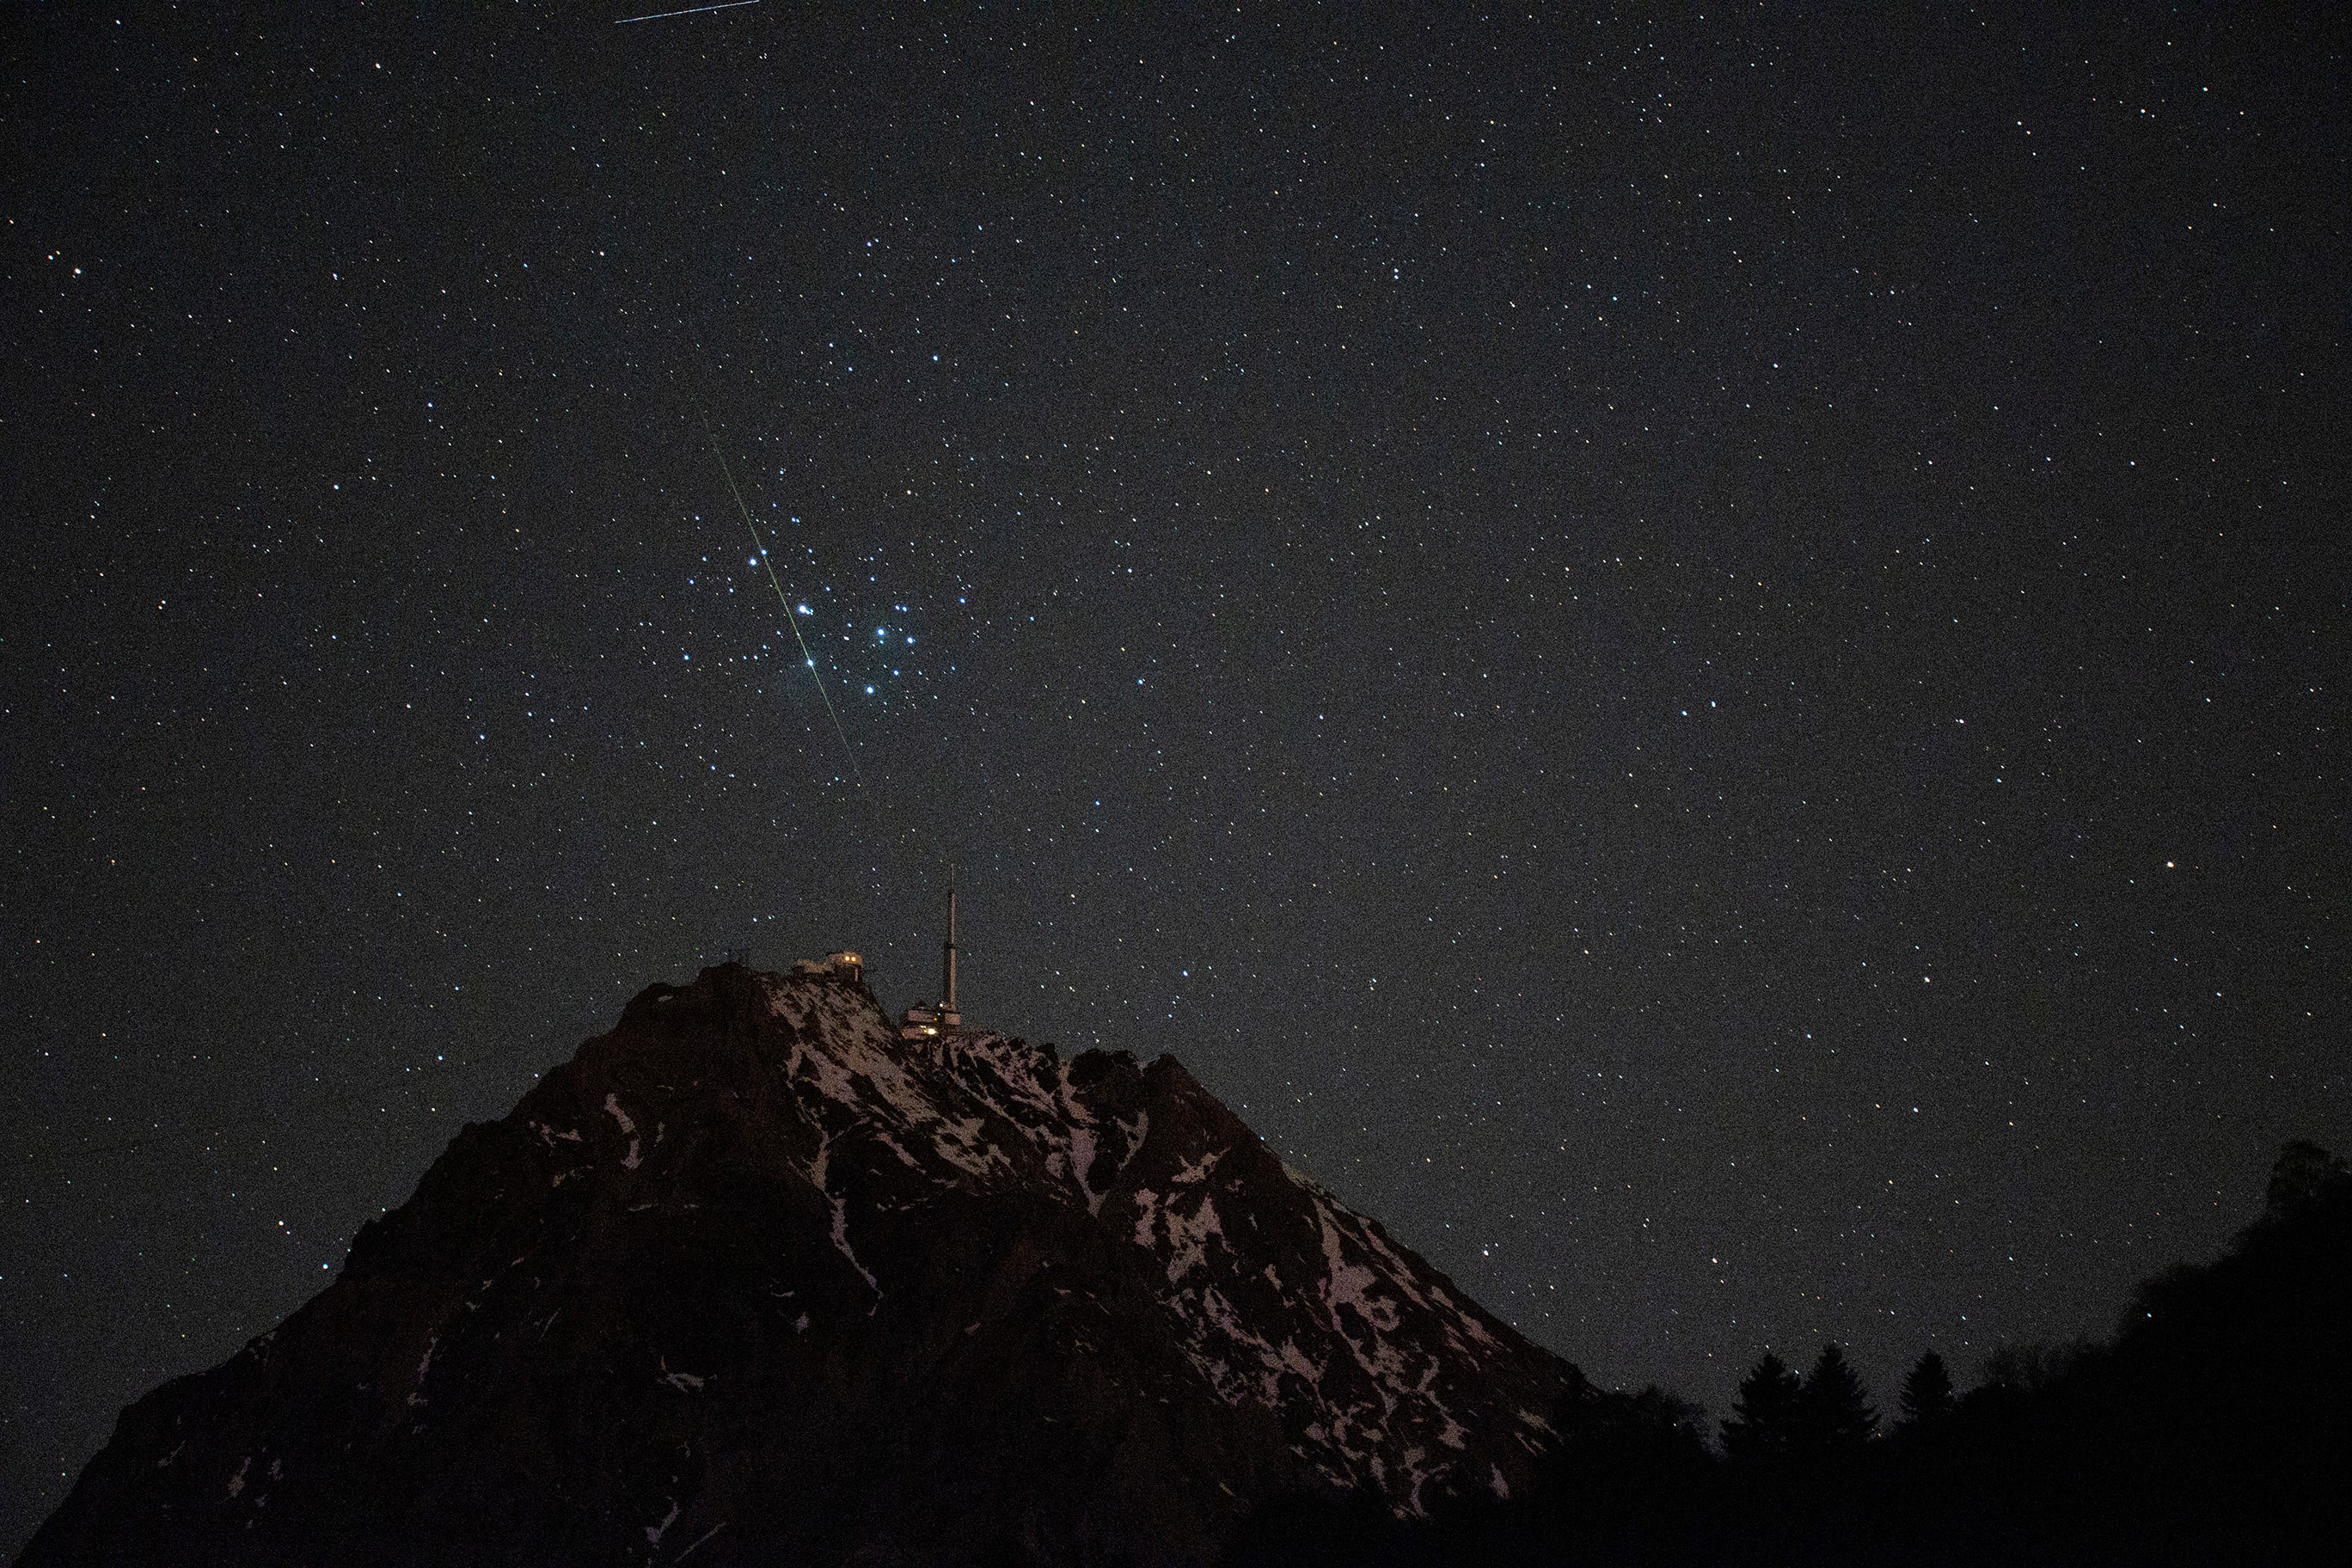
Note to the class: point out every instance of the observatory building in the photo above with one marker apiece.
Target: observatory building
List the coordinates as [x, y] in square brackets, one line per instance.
[845, 964]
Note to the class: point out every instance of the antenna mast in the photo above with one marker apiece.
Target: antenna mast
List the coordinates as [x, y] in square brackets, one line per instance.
[947, 955]
[930, 1020]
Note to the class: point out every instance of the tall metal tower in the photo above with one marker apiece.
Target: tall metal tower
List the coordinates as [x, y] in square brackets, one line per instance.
[948, 1015]
[923, 1022]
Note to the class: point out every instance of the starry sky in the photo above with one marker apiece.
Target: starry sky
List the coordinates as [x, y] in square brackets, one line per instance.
[1700, 661]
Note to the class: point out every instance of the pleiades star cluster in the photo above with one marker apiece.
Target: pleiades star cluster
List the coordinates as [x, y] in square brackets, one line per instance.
[1699, 659]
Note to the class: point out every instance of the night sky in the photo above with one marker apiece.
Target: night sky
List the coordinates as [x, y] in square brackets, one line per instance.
[1700, 661]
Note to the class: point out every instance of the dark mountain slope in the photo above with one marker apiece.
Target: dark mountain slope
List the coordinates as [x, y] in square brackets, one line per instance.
[754, 1280]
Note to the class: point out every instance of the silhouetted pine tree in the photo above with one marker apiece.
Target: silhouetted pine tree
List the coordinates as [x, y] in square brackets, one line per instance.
[1834, 1413]
[1926, 1397]
[2299, 1178]
[1763, 1420]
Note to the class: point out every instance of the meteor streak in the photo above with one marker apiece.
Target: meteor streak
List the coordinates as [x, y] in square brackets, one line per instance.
[759, 550]
[690, 10]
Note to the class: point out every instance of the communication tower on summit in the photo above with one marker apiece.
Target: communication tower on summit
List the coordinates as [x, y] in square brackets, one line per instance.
[943, 1018]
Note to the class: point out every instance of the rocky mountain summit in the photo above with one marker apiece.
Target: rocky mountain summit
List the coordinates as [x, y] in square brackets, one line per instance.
[754, 1279]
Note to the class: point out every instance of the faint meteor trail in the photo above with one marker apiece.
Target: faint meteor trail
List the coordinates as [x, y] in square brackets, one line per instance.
[760, 548]
[689, 11]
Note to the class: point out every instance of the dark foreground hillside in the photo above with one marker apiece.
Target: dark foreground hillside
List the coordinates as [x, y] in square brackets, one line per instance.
[2214, 1428]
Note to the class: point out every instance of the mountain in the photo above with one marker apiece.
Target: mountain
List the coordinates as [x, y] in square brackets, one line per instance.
[754, 1280]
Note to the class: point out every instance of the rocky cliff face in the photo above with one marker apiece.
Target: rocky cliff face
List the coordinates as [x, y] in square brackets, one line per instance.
[752, 1279]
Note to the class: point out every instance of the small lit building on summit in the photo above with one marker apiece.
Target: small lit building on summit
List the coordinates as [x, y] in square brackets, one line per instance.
[844, 964]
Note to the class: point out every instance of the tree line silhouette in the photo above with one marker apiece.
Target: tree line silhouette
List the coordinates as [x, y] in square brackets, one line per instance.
[2215, 1427]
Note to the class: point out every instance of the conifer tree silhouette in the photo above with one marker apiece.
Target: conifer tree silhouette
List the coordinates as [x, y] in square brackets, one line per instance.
[1763, 1420]
[2302, 1174]
[1834, 1413]
[1926, 1395]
